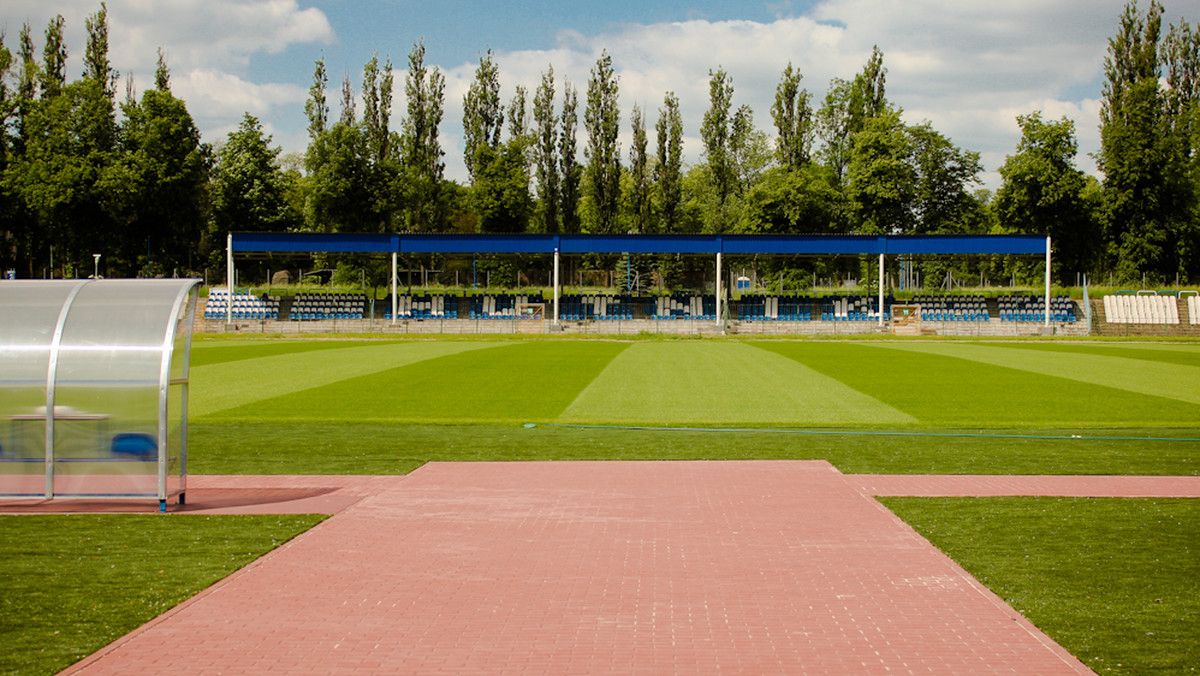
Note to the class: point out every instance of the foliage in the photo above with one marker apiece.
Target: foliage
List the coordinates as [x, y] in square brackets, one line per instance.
[1043, 192]
[793, 115]
[1111, 580]
[546, 154]
[73, 584]
[249, 185]
[602, 119]
[668, 176]
[1150, 198]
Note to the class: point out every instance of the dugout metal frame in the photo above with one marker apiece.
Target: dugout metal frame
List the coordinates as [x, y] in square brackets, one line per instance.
[713, 245]
[94, 388]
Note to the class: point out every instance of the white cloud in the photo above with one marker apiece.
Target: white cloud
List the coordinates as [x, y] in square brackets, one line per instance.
[213, 95]
[968, 68]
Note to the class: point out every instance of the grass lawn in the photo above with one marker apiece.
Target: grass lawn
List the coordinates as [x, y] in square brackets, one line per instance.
[272, 406]
[73, 584]
[1111, 580]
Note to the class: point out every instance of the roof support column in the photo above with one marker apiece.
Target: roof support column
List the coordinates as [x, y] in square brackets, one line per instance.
[881, 290]
[229, 278]
[395, 300]
[1047, 281]
[556, 287]
[720, 320]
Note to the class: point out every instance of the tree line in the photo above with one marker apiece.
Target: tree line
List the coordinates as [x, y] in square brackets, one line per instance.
[81, 173]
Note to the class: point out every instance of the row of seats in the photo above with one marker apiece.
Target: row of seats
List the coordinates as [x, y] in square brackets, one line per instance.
[953, 308]
[1193, 305]
[311, 306]
[854, 309]
[683, 307]
[575, 307]
[503, 306]
[1032, 308]
[775, 308]
[239, 305]
[1124, 308]
[423, 307]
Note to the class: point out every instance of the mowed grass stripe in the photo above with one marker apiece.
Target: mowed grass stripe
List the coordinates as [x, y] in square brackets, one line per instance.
[1151, 378]
[220, 350]
[1185, 355]
[507, 382]
[235, 383]
[720, 383]
[946, 391]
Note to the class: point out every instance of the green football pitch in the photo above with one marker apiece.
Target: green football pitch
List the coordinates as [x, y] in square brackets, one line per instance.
[344, 406]
[1112, 580]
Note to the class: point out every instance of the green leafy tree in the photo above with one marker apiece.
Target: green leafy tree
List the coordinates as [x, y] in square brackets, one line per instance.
[640, 207]
[250, 188]
[53, 73]
[1043, 193]
[847, 108]
[602, 119]
[159, 184]
[426, 94]
[943, 203]
[789, 201]
[500, 195]
[881, 182]
[569, 168]
[668, 170]
[316, 108]
[58, 177]
[483, 114]
[545, 153]
[1149, 203]
[793, 115]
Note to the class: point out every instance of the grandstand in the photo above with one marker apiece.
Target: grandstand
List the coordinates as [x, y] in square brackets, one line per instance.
[683, 306]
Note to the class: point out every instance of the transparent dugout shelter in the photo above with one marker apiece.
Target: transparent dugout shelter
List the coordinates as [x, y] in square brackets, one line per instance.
[94, 388]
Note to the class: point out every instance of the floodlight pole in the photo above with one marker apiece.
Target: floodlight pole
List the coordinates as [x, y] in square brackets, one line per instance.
[556, 286]
[229, 279]
[394, 299]
[1047, 281]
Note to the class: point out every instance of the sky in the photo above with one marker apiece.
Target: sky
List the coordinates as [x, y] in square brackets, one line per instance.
[968, 67]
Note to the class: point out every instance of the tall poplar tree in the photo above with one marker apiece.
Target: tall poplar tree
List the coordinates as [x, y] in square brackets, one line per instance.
[545, 153]
[483, 113]
[426, 93]
[793, 115]
[1135, 153]
[602, 119]
[569, 168]
[668, 171]
[639, 175]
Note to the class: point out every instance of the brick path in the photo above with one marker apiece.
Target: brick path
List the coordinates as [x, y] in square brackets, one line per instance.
[753, 567]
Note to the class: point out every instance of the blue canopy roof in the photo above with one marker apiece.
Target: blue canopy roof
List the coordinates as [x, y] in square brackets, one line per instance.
[814, 245]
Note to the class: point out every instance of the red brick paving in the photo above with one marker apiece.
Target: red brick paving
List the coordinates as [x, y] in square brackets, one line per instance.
[982, 485]
[757, 567]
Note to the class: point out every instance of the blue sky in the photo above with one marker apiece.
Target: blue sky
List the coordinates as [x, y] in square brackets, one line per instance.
[967, 67]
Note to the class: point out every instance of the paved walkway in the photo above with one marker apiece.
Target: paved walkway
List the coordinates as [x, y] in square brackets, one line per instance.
[752, 567]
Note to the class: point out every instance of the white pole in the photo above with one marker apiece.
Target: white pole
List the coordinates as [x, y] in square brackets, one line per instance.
[229, 278]
[1047, 280]
[395, 300]
[881, 289]
[720, 324]
[556, 286]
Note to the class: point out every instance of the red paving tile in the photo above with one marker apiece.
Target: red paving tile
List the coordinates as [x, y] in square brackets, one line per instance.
[597, 568]
[981, 485]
